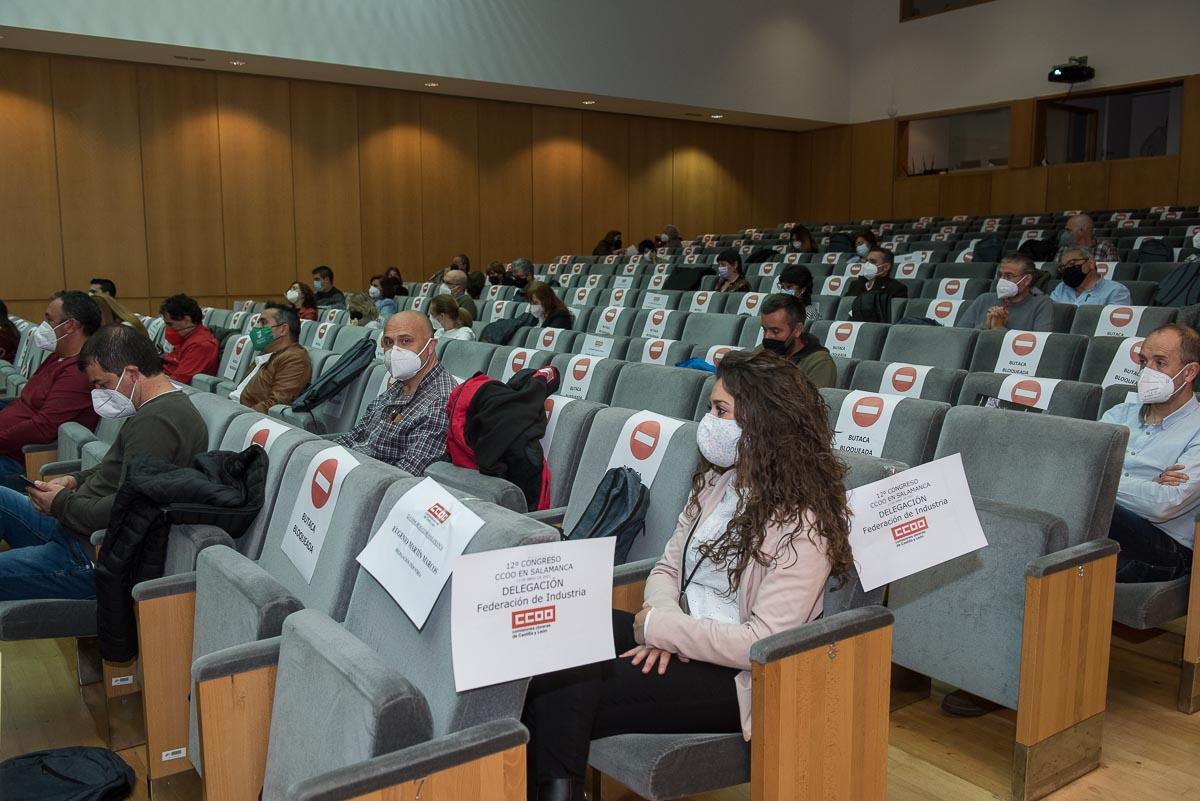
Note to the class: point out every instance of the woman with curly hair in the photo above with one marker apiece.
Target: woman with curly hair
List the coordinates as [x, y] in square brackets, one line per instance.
[764, 528]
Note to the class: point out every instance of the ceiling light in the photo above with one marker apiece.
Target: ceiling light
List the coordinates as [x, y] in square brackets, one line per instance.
[589, 102]
[237, 62]
[432, 84]
[715, 116]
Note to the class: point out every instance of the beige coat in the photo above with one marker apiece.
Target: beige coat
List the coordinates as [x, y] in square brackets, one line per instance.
[771, 599]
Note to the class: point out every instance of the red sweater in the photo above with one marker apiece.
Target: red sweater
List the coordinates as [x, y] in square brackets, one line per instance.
[57, 393]
[196, 354]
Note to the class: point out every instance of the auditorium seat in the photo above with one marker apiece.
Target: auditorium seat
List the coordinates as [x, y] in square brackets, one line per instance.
[653, 350]
[610, 321]
[1113, 395]
[1141, 292]
[978, 269]
[1063, 398]
[850, 340]
[956, 288]
[659, 323]
[1088, 318]
[587, 377]
[932, 345]
[337, 414]
[599, 346]
[1154, 271]
[912, 432]
[72, 437]
[945, 313]
[669, 391]
[557, 340]
[1006, 351]
[937, 383]
[236, 359]
[464, 359]
[712, 329]
[381, 681]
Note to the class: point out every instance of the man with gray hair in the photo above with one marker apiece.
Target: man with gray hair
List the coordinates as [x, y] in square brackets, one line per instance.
[520, 275]
[1080, 231]
[455, 282]
[1015, 304]
[1082, 284]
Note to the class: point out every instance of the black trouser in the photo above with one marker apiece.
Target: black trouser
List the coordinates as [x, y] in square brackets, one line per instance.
[1147, 552]
[566, 710]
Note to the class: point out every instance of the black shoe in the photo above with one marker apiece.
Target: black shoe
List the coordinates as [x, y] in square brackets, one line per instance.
[962, 704]
[560, 790]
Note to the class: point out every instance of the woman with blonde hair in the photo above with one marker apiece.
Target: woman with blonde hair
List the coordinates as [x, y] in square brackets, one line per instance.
[113, 311]
[361, 308]
[449, 320]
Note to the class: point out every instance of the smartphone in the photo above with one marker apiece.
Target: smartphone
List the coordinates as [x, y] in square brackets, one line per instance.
[29, 483]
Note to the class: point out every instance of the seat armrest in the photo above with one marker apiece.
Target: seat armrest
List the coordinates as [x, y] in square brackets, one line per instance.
[825, 631]
[65, 467]
[162, 587]
[1075, 556]
[485, 488]
[632, 572]
[237, 659]
[413, 763]
[551, 517]
[49, 446]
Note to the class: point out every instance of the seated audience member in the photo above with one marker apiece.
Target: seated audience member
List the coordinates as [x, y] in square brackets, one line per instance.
[449, 320]
[454, 284]
[281, 370]
[114, 311]
[802, 240]
[193, 347]
[475, 284]
[783, 320]
[461, 262]
[1082, 284]
[548, 307]
[864, 243]
[361, 309]
[394, 272]
[520, 275]
[1159, 491]
[383, 291]
[1080, 231]
[47, 532]
[874, 288]
[1015, 305]
[58, 392]
[729, 272]
[754, 547]
[610, 244]
[102, 286]
[407, 424]
[797, 280]
[10, 337]
[495, 273]
[670, 238]
[302, 300]
[325, 292]
[647, 251]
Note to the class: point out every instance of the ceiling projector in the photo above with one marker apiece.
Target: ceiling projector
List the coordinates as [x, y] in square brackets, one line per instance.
[1076, 70]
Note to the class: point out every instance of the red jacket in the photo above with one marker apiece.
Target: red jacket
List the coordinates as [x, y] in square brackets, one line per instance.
[57, 393]
[196, 354]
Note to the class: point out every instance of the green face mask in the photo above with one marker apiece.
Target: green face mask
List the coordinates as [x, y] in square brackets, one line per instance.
[262, 336]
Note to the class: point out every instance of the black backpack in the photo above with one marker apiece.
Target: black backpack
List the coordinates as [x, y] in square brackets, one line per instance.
[840, 243]
[1038, 249]
[617, 509]
[988, 249]
[350, 366]
[66, 774]
[501, 332]
[1154, 250]
[1181, 286]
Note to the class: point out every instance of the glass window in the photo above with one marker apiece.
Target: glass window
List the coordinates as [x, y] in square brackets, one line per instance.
[1117, 125]
[972, 140]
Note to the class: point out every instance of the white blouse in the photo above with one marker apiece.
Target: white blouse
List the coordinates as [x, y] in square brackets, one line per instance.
[708, 596]
[463, 332]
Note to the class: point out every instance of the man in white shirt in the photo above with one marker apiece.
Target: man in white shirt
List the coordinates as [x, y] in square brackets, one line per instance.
[1159, 492]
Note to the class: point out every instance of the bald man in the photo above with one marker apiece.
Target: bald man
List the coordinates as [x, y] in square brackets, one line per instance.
[407, 424]
[1080, 231]
[456, 282]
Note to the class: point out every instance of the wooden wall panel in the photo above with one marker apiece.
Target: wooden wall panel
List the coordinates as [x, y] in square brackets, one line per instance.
[965, 193]
[557, 183]
[1143, 182]
[1189, 143]
[830, 175]
[1077, 186]
[801, 178]
[650, 181]
[872, 169]
[772, 180]
[1019, 191]
[389, 158]
[30, 236]
[325, 172]
[100, 173]
[449, 181]
[1021, 131]
[605, 168]
[918, 196]
[506, 195]
[181, 178]
[733, 188]
[254, 115]
[694, 180]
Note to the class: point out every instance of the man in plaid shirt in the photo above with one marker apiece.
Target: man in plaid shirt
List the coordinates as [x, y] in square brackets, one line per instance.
[407, 424]
[1083, 232]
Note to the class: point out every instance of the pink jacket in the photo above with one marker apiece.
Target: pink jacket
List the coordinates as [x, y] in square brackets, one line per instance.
[770, 599]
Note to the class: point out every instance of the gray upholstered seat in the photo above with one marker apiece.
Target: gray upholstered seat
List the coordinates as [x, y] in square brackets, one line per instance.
[923, 344]
[613, 321]
[1114, 395]
[339, 412]
[464, 359]
[507, 361]
[912, 434]
[712, 329]
[940, 384]
[657, 351]
[671, 391]
[1147, 606]
[1087, 318]
[236, 360]
[601, 346]
[1069, 399]
[942, 312]
[668, 322]
[1062, 354]
[577, 373]
[836, 335]
[1101, 351]
[551, 339]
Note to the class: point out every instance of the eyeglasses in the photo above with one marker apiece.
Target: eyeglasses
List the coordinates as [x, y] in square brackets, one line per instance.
[1073, 263]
